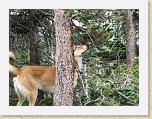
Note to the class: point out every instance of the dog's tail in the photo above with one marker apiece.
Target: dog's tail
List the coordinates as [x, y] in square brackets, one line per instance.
[14, 70]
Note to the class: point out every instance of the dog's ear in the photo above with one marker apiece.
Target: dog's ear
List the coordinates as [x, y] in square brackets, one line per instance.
[74, 47]
[88, 47]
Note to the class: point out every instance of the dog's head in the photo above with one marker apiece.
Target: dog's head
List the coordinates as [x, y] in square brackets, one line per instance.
[79, 51]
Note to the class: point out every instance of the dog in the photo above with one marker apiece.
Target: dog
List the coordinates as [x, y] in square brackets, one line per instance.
[29, 79]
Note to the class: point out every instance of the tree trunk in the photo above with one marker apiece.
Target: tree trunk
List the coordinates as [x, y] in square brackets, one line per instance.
[34, 57]
[63, 94]
[33, 35]
[130, 38]
[10, 49]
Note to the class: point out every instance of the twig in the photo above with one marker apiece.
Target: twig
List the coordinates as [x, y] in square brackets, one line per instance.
[12, 98]
[126, 82]
[120, 92]
[82, 83]
[84, 30]
[47, 55]
[95, 100]
[91, 40]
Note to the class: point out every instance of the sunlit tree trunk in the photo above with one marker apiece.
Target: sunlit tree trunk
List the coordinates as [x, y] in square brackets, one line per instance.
[130, 38]
[63, 94]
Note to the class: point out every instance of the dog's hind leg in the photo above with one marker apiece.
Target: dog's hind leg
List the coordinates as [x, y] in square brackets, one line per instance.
[32, 91]
[32, 96]
[19, 90]
[26, 87]
[21, 99]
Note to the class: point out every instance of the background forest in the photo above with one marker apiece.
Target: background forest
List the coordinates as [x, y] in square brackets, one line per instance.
[110, 72]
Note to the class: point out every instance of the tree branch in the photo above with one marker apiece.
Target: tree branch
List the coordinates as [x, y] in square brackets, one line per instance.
[120, 92]
[85, 30]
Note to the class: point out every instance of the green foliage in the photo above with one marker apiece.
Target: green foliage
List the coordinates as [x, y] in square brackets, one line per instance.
[120, 87]
[15, 99]
[108, 82]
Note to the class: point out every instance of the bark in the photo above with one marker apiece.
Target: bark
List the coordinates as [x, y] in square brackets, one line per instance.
[34, 57]
[33, 35]
[63, 94]
[130, 38]
[10, 49]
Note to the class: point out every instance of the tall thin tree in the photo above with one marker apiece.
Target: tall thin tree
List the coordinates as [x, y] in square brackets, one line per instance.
[33, 36]
[63, 94]
[130, 38]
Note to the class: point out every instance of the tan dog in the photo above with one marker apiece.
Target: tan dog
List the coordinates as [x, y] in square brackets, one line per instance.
[31, 78]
